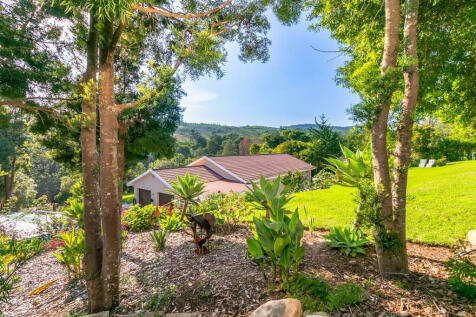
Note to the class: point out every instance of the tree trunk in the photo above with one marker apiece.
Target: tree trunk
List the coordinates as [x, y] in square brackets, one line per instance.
[184, 211]
[388, 260]
[121, 161]
[9, 181]
[89, 158]
[109, 172]
[404, 131]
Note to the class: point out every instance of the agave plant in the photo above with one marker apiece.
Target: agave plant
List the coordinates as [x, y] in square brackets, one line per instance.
[355, 166]
[351, 241]
[268, 197]
[188, 189]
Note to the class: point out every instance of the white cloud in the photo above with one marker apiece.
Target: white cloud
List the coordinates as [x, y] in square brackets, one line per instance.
[197, 98]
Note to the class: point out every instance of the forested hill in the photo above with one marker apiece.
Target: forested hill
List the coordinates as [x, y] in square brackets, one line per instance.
[206, 129]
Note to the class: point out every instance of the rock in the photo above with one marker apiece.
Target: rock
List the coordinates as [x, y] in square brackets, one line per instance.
[183, 315]
[101, 314]
[402, 313]
[288, 307]
[462, 314]
[143, 314]
[472, 237]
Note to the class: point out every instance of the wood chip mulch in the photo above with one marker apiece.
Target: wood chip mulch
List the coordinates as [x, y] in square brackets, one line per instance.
[225, 283]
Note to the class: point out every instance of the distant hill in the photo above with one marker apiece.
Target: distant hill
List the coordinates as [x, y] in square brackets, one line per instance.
[306, 126]
[250, 131]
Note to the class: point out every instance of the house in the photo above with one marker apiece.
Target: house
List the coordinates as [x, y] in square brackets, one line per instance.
[221, 173]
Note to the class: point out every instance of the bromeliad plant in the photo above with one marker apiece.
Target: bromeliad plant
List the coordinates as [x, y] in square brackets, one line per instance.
[276, 240]
[188, 189]
[350, 241]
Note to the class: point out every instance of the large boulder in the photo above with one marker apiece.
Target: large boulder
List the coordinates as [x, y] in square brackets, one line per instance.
[288, 307]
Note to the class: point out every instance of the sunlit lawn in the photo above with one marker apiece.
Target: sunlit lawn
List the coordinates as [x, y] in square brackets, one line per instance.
[441, 203]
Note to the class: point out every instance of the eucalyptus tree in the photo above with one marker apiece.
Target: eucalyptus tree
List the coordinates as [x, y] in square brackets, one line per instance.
[437, 80]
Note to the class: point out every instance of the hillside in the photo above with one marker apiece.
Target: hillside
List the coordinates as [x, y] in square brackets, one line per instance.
[206, 129]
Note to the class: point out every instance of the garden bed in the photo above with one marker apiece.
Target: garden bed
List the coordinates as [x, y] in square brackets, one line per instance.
[225, 283]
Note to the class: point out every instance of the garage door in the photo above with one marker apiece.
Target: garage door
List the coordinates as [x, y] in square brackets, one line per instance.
[164, 198]
[144, 197]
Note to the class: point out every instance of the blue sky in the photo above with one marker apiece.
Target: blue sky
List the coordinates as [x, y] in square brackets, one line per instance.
[294, 86]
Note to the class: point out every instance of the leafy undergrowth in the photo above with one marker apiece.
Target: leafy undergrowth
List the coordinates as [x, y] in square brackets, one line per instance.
[316, 294]
[440, 201]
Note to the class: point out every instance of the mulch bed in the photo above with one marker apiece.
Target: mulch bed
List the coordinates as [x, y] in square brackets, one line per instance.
[225, 283]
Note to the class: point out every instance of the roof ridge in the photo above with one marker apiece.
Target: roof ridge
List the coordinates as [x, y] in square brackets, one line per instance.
[171, 168]
[249, 155]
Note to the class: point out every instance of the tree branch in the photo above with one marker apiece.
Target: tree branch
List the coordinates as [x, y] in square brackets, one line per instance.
[162, 12]
[129, 105]
[19, 103]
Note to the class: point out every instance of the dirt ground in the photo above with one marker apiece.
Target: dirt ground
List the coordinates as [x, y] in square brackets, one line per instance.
[225, 283]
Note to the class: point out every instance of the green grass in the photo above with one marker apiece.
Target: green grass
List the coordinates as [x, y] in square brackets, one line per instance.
[441, 203]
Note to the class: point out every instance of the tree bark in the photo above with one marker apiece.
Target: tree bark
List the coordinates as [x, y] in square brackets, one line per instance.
[109, 171]
[121, 160]
[404, 131]
[89, 158]
[388, 260]
[9, 181]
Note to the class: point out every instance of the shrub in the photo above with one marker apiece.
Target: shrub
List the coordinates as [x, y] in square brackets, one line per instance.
[138, 218]
[322, 179]
[158, 238]
[74, 213]
[462, 274]
[441, 162]
[229, 209]
[171, 223]
[13, 255]
[316, 294]
[71, 252]
[351, 241]
[295, 181]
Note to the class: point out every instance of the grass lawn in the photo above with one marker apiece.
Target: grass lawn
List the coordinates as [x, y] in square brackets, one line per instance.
[441, 203]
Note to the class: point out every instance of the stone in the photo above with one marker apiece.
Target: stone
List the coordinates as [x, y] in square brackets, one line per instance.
[288, 307]
[100, 314]
[402, 313]
[462, 314]
[472, 237]
[183, 315]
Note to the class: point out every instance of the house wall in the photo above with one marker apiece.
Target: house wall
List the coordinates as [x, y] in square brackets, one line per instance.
[151, 183]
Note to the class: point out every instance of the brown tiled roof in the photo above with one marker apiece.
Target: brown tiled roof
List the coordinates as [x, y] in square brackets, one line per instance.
[204, 173]
[250, 167]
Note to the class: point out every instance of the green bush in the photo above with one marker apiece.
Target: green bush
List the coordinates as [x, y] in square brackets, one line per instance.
[462, 274]
[350, 241]
[138, 218]
[171, 223]
[295, 181]
[441, 162]
[316, 294]
[322, 179]
[230, 209]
